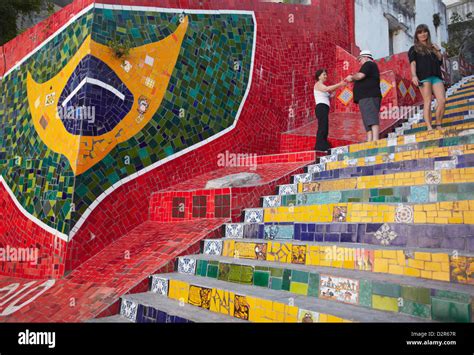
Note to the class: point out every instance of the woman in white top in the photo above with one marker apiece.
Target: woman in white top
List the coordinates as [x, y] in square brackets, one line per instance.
[322, 94]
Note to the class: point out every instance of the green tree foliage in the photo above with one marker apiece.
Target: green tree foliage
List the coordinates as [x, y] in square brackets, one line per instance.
[460, 30]
[11, 10]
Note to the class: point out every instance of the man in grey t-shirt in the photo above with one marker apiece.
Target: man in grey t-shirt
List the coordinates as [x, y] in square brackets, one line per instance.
[367, 93]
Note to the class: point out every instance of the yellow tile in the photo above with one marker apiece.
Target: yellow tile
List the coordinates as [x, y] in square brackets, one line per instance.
[323, 318]
[442, 258]
[291, 310]
[408, 271]
[228, 248]
[380, 265]
[395, 269]
[385, 303]
[441, 276]
[378, 254]
[178, 290]
[419, 217]
[390, 254]
[348, 264]
[333, 319]
[401, 258]
[468, 217]
[445, 267]
[417, 264]
[431, 266]
[423, 256]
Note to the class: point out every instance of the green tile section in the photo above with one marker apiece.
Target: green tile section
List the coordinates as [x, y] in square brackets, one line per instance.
[450, 311]
[365, 293]
[416, 294]
[416, 309]
[386, 289]
[261, 278]
[313, 285]
[413, 301]
[299, 288]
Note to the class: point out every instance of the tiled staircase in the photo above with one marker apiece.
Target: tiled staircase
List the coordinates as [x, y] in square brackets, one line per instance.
[374, 232]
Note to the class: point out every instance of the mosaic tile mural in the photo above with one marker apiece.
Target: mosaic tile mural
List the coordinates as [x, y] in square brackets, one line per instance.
[182, 82]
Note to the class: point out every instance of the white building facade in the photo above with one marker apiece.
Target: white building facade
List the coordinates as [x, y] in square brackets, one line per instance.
[388, 27]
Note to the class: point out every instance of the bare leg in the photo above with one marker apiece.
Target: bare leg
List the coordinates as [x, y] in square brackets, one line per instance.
[375, 132]
[440, 94]
[426, 92]
[369, 136]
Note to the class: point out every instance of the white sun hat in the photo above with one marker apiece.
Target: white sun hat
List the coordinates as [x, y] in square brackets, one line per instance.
[366, 53]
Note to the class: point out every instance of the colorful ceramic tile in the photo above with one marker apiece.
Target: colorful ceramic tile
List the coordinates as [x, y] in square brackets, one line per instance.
[290, 189]
[339, 214]
[129, 309]
[278, 232]
[254, 215]
[159, 285]
[462, 269]
[234, 230]
[199, 296]
[404, 214]
[213, 247]
[339, 289]
[186, 265]
[241, 307]
[305, 316]
[298, 254]
[271, 201]
[385, 235]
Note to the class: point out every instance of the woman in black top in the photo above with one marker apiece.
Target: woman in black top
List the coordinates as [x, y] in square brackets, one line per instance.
[425, 62]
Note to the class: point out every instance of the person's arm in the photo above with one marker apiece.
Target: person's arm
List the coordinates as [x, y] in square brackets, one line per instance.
[438, 53]
[365, 71]
[412, 60]
[414, 77]
[324, 88]
[358, 76]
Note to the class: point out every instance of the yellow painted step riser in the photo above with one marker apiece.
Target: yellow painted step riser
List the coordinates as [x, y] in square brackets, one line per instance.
[450, 212]
[418, 137]
[434, 152]
[443, 121]
[249, 308]
[432, 266]
[458, 176]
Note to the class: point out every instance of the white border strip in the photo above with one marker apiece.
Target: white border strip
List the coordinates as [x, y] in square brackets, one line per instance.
[95, 82]
[30, 216]
[125, 180]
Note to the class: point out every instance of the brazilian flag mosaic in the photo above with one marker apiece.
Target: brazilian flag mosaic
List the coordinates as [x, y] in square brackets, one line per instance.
[77, 116]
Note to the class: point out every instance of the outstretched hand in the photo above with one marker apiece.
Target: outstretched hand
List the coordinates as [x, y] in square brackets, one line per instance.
[349, 79]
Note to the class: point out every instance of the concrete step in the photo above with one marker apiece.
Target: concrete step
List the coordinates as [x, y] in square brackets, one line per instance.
[419, 137]
[397, 179]
[433, 264]
[449, 151]
[260, 304]
[461, 137]
[413, 296]
[150, 307]
[415, 190]
[446, 212]
[453, 161]
[430, 236]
